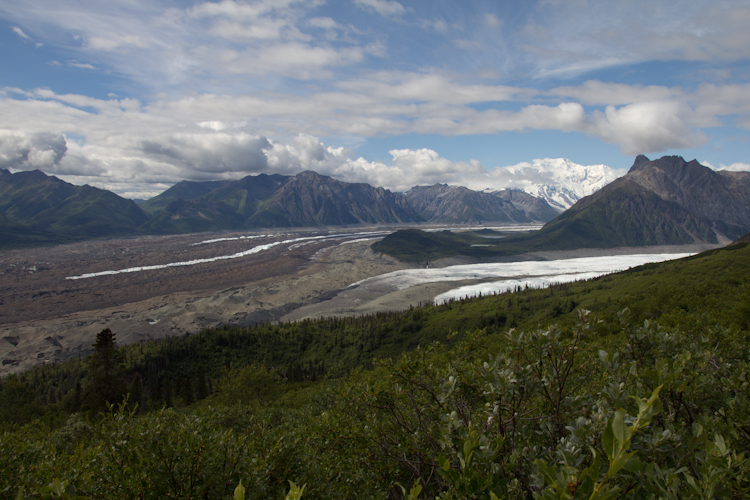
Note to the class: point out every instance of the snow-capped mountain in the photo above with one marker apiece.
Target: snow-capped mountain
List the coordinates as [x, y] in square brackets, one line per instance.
[559, 181]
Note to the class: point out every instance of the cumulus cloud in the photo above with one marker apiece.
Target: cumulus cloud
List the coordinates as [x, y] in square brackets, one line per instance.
[43, 151]
[734, 167]
[647, 126]
[210, 153]
[215, 135]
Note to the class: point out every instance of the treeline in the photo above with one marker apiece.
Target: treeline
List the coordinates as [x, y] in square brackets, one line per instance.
[178, 371]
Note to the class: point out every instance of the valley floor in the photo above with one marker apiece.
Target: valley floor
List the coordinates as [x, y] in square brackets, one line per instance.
[45, 317]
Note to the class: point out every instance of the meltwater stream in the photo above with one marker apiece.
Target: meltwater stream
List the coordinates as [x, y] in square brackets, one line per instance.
[237, 255]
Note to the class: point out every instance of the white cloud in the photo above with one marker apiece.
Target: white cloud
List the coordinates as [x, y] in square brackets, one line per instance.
[492, 21]
[208, 136]
[595, 92]
[645, 127]
[568, 38]
[80, 65]
[115, 41]
[325, 23]
[734, 167]
[18, 31]
[386, 8]
[19, 151]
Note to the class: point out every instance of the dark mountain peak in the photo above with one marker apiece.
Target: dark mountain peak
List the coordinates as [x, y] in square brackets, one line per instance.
[32, 176]
[4, 171]
[673, 165]
[65, 211]
[312, 177]
[444, 203]
[664, 201]
[640, 160]
[310, 174]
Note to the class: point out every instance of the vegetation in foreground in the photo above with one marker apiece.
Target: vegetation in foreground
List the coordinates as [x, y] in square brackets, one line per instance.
[648, 403]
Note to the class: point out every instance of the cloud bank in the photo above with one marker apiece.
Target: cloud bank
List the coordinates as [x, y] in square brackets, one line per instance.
[229, 88]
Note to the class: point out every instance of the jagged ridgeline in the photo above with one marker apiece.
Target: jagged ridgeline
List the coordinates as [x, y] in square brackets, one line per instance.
[663, 202]
[39, 209]
[600, 405]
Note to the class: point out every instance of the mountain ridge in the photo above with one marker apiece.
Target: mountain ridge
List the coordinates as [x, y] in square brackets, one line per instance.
[662, 202]
[665, 201]
[42, 209]
[444, 203]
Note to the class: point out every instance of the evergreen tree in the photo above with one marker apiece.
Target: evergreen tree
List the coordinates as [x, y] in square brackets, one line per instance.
[136, 392]
[105, 378]
[187, 391]
[201, 391]
[167, 391]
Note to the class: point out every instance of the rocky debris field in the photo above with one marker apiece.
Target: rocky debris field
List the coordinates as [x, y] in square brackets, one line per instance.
[46, 317]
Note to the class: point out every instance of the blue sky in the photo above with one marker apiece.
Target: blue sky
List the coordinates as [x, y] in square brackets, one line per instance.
[135, 95]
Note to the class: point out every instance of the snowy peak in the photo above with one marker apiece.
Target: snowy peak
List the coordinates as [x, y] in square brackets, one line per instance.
[559, 181]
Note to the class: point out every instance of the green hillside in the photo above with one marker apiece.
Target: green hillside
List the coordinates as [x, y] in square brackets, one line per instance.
[54, 211]
[192, 216]
[506, 404]
[185, 190]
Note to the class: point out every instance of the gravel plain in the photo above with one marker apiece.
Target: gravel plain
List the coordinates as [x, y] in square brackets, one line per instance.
[46, 317]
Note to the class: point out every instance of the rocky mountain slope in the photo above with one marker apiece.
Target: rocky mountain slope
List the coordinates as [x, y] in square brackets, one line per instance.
[663, 202]
[660, 202]
[457, 204]
[311, 199]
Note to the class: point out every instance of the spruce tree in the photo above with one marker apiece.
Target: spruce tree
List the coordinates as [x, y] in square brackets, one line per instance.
[201, 391]
[105, 378]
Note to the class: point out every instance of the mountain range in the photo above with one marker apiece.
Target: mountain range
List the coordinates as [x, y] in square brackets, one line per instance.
[665, 201]
[38, 209]
[662, 202]
[659, 202]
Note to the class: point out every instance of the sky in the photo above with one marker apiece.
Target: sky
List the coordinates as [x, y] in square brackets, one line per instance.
[136, 95]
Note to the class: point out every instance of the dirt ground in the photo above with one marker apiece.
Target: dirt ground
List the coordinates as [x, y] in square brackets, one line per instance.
[45, 317]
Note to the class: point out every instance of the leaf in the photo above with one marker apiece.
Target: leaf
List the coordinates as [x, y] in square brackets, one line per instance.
[608, 441]
[239, 492]
[295, 492]
[620, 430]
[606, 494]
[634, 465]
[548, 472]
[619, 463]
[720, 444]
